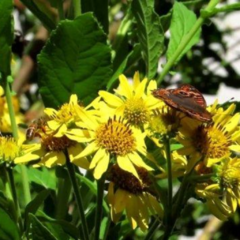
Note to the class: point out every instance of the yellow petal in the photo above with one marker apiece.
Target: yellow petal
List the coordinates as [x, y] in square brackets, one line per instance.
[111, 99]
[140, 90]
[136, 80]
[78, 135]
[97, 157]
[101, 167]
[1, 91]
[120, 199]
[151, 86]
[74, 152]
[126, 88]
[235, 148]
[73, 99]
[61, 131]
[131, 210]
[89, 149]
[50, 112]
[137, 160]
[232, 123]
[125, 164]
[27, 158]
[53, 158]
[86, 118]
[54, 125]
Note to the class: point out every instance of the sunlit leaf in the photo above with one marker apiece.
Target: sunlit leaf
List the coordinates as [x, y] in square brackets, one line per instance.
[76, 59]
[182, 22]
[8, 228]
[150, 34]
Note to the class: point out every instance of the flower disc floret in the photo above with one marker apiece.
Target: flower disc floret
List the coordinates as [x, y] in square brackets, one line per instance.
[52, 143]
[211, 142]
[116, 137]
[136, 111]
[129, 182]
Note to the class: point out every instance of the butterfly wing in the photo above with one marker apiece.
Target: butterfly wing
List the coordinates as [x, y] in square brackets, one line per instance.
[188, 91]
[186, 99]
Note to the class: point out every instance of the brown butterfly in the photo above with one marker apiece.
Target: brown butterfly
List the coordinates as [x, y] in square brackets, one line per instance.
[186, 99]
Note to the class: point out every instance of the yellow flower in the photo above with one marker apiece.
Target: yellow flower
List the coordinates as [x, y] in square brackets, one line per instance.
[163, 121]
[213, 196]
[61, 119]
[230, 181]
[131, 101]
[222, 191]
[9, 149]
[126, 192]
[179, 165]
[51, 150]
[111, 139]
[212, 142]
[66, 117]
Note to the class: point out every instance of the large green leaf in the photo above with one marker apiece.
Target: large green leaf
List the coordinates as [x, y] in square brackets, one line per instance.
[182, 21]
[60, 229]
[6, 35]
[41, 12]
[33, 206]
[38, 231]
[43, 177]
[76, 59]
[100, 10]
[150, 34]
[8, 228]
[93, 188]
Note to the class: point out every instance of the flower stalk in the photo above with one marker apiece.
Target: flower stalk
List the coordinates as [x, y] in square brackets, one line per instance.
[100, 195]
[78, 197]
[25, 182]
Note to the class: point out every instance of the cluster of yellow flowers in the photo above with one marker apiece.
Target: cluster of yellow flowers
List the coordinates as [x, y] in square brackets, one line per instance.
[109, 136]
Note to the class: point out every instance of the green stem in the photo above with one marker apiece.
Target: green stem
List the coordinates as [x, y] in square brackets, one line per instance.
[14, 194]
[8, 191]
[186, 40]
[169, 170]
[78, 197]
[60, 9]
[100, 194]
[24, 177]
[11, 110]
[77, 8]
[107, 228]
[152, 229]
[64, 191]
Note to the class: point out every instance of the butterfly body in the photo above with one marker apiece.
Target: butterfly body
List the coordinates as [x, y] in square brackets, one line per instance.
[186, 99]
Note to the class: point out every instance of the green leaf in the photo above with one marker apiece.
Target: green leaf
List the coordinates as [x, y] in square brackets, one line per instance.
[76, 59]
[133, 54]
[150, 34]
[100, 10]
[38, 231]
[182, 22]
[41, 12]
[59, 228]
[43, 177]
[33, 206]
[6, 36]
[93, 188]
[8, 228]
